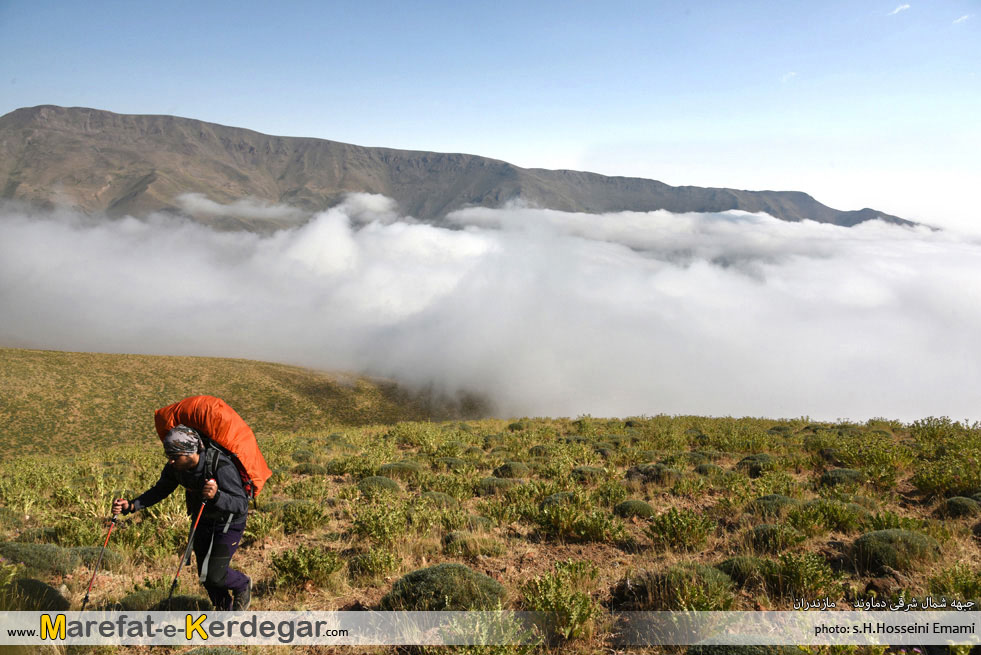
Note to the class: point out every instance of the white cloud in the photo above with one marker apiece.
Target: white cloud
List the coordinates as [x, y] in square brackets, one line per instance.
[545, 312]
[962, 19]
[197, 204]
[898, 9]
[787, 77]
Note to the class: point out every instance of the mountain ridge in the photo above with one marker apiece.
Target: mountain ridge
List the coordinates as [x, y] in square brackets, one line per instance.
[100, 161]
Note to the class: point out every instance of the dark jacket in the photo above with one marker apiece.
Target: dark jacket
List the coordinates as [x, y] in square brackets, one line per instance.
[230, 499]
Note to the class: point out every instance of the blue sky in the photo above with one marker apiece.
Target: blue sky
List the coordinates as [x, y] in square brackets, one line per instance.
[858, 103]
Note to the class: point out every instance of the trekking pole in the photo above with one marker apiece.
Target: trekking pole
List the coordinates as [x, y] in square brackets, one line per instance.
[112, 524]
[186, 556]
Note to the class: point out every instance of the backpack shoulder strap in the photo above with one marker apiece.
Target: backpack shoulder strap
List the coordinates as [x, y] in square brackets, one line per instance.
[211, 460]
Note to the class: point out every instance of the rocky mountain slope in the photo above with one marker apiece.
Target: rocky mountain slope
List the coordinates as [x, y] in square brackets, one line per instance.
[122, 164]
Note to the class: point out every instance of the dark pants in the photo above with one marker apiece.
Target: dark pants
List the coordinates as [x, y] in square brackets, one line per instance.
[219, 579]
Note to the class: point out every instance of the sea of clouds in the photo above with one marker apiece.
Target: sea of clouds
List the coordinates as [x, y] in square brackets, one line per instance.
[543, 312]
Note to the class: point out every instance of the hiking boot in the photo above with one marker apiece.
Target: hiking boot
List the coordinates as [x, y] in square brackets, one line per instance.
[241, 601]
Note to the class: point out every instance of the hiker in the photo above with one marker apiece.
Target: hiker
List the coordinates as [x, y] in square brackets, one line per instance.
[208, 476]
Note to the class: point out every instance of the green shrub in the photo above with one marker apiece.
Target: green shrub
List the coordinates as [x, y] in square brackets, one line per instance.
[444, 587]
[380, 523]
[301, 515]
[951, 475]
[587, 474]
[807, 518]
[405, 470]
[454, 464]
[708, 469]
[494, 485]
[898, 549]
[837, 515]
[572, 522]
[569, 611]
[377, 484]
[680, 529]
[512, 470]
[842, 477]
[310, 468]
[40, 558]
[959, 507]
[30, 595]
[558, 498]
[959, 581]
[608, 493]
[772, 538]
[887, 520]
[517, 426]
[656, 473]
[756, 465]
[749, 571]
[438, 499]
[303, 564]
[260, 526]
[89, 555]
[684, 587]
[373, 564]
[303, 455]
[771, 506]
[630, 508]
[803, 575]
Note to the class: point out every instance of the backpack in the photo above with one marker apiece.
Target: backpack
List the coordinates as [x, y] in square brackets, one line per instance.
[220, 426]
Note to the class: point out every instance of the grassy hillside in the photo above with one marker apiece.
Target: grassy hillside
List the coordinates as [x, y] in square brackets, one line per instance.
[52, 399]
[583, 517]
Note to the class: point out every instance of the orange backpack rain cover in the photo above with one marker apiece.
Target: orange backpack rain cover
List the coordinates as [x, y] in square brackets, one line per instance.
[214, 419]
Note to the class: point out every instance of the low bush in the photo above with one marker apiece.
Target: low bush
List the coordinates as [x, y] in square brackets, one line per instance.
[89, 555]
[708, 469]
[438, 499]
[383, 524]
[684, 587]
[303, 564]
[587, 474]
[568, 609]
[898, 549]
[573, 522]
[756, 465]
[772, 538]
[454, 464]
[40, 558]
[680, 529]
[377, 484]
[631, 508]
[494, 485]
[656, 473]
[842, 477]
[771, 506]
[406, 470]
[301, 516]
[959, 507]
[372, 564]
[30, 595]
[512, 470]
[444, 587]
[749, 571]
